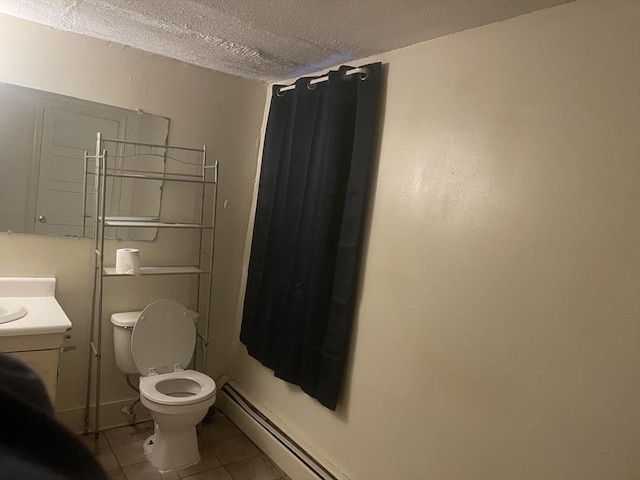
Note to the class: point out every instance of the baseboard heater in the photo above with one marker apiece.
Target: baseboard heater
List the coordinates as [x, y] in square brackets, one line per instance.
[300, 453]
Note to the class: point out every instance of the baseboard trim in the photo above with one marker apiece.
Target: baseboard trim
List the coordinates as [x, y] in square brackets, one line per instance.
[111, 415]
[297, 461]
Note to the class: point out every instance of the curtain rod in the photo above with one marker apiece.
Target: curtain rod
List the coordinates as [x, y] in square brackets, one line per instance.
[363, 70]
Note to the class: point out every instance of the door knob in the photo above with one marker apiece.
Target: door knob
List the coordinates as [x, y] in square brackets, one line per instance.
[42, 219]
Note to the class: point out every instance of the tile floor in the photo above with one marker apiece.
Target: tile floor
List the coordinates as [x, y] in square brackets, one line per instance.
[227, 454]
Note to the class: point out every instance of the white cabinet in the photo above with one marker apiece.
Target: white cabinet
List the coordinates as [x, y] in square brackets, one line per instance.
[36, 338]
[40, 352]
[45, 364]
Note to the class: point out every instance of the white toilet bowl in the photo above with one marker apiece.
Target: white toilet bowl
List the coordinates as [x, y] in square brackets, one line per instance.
[177, 402]
[161, 342]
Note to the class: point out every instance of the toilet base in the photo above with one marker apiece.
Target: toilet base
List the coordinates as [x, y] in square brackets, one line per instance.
[174, 443]
[172, 450]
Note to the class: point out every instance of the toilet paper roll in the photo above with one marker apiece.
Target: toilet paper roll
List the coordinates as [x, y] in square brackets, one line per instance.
[128, 261]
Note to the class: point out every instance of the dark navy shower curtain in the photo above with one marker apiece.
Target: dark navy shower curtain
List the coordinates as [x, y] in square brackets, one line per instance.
[307, 239]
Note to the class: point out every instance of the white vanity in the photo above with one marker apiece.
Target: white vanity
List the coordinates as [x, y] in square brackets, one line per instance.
[33, 325]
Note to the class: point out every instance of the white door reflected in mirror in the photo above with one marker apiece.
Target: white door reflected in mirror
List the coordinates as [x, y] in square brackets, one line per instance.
[43, 137]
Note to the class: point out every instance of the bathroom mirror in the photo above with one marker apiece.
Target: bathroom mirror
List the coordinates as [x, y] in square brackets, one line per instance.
[43, 137]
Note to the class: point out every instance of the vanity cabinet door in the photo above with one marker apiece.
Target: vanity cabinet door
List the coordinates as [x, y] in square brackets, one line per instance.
[45, 364]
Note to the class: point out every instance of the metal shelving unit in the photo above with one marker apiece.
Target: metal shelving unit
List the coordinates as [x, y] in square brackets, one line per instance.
[175, 270]
[129, 223]
[205, 178]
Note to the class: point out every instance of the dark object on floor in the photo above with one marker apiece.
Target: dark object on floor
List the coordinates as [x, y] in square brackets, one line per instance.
[33, 444]
[208, 418]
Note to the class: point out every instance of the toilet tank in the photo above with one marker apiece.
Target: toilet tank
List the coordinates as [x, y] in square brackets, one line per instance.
[123, 323]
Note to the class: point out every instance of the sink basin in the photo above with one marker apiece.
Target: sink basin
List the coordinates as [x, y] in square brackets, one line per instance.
[11, 310]
[28, 307]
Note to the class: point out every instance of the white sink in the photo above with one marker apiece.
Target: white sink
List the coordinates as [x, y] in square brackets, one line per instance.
[28, 307]
[33, 325]
[10, 310]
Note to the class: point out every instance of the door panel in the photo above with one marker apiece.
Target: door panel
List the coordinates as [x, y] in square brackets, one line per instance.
[65, 137]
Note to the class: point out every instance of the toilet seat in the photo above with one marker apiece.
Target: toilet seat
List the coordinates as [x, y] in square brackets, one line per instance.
[163, 338]
[162, 343]
[178, 388]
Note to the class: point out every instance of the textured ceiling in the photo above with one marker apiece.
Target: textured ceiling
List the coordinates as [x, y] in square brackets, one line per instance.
[268, 39]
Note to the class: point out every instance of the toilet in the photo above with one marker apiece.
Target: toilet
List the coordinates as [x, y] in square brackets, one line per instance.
[158, 343]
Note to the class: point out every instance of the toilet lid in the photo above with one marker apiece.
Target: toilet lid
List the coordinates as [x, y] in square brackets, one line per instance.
[163, 336]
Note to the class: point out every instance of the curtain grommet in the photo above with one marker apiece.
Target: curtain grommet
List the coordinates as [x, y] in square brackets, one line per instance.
[280, 93]
[349, 74]
[311, 86]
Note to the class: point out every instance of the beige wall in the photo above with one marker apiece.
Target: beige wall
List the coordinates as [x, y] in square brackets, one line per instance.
[205, 107]
[497, 335]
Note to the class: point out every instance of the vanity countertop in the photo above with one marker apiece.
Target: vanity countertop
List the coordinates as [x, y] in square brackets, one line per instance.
[44, 314]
